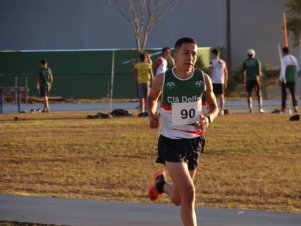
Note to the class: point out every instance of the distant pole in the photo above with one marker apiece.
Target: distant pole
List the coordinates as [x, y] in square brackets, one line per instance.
[285, 30]
[112, 80]
[282, 74]
[299, 75]
[228, 31]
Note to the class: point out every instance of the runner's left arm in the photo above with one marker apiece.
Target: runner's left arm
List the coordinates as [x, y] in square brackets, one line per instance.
[211, 100]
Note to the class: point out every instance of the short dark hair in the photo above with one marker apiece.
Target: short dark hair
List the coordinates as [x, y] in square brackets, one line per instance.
[184, 40]
[215, 51]
[43, 61]
[142, 56]
[164, 49]
[285, 50]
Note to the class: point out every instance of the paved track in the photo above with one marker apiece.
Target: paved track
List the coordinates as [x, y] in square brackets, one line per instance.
[235, 106]
[99, 213]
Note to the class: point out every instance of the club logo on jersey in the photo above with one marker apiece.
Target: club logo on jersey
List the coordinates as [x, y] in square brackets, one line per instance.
[199, 84]
[170, 85]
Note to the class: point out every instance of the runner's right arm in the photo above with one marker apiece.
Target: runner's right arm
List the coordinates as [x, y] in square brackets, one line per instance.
[152, 101]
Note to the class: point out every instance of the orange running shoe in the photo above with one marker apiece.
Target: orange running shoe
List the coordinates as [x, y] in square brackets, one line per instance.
[153, 191]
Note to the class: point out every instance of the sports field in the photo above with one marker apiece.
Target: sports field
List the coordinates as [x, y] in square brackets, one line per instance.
[250, 161]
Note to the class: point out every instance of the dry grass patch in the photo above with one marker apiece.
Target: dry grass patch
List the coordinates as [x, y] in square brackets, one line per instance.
[250, 161]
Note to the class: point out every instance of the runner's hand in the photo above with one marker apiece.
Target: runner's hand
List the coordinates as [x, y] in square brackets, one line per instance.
[203, 123]
[154, 121]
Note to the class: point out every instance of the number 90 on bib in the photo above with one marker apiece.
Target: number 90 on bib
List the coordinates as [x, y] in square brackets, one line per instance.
[185, 113]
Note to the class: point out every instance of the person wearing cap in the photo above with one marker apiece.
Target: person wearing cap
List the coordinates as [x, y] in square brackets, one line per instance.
[252, 75]
[287, 78]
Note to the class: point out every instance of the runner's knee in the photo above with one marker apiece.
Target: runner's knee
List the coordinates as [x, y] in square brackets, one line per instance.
[188, 194]
[176, 201]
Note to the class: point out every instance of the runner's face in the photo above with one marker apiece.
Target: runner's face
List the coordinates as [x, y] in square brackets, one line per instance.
[186, 56]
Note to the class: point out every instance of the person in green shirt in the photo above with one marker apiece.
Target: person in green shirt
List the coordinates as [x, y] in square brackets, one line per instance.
[252, 76]
[179, 93]
[44, 82]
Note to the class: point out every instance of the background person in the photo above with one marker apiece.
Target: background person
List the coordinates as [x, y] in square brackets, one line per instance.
[287, 78]
[252, 76]
[143, 74]
[148, 58]
[44, 82]
[183, 124]
[161, 63]
[219, 76]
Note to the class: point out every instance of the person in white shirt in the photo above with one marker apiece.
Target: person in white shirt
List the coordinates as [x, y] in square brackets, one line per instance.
[219, 75]
[287, 78]
[161, 63]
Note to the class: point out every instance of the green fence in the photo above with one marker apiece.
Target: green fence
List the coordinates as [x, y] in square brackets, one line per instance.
[77, 73]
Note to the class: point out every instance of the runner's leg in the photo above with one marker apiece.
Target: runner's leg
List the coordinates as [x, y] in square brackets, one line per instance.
[291, 87]
[46, 104]
[283, 96]
[250, 102]
[222, 103]
[259, 96]
[182, 191]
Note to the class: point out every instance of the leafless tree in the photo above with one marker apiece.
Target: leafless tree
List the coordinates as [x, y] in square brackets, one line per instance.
[143, 15]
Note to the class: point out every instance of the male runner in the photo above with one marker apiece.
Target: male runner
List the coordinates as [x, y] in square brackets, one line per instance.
[183, 124]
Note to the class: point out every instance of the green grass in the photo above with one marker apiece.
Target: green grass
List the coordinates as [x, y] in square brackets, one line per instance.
[250, 161]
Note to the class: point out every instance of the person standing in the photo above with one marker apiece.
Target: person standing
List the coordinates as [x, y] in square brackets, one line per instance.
[252, 76]
[143, 74]
[183, 125]
[148, 58]
[161, 63]
[44, 82]
[219, 75]
[287, 78]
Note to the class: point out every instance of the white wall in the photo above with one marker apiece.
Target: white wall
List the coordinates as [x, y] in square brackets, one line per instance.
[90, 24]
[257, 26]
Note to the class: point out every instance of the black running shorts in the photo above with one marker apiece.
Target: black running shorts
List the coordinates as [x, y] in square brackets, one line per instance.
[218, 88]
[44, 91]
[180, 150]
[252, 84]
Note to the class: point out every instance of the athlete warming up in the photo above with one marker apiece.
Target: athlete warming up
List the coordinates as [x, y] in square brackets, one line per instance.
[183, 124]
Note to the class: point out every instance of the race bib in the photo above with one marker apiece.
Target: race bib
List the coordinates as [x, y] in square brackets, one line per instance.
[185, 113]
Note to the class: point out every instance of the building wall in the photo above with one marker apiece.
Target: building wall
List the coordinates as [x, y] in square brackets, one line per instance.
[258, 25]
[91, 24]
